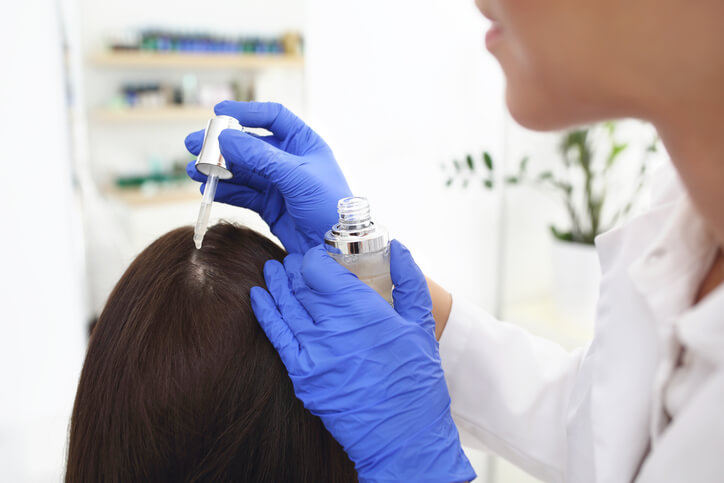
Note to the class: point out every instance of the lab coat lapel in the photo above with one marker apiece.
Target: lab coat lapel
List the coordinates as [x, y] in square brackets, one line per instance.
[626, 339]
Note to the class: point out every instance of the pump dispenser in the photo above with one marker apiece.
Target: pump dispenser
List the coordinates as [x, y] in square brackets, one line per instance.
[361, 246]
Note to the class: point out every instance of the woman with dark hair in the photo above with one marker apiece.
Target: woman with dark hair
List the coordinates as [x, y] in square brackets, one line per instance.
[181, 384]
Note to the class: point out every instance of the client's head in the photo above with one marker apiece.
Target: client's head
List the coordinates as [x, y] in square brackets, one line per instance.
[181, 384]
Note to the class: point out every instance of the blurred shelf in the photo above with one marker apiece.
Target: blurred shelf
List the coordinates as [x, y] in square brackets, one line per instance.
[174, 60]
[541, 317]
[140, 197]
[136, 114]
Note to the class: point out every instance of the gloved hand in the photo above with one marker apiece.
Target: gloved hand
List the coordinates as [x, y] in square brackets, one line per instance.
[370, 372]
[290, 178]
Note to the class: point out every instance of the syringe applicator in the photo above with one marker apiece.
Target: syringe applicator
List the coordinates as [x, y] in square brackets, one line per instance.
[205, 210]
[211, 163]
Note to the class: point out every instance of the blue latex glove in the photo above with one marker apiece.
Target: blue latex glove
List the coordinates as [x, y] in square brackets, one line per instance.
[290, 178]
[370, 372]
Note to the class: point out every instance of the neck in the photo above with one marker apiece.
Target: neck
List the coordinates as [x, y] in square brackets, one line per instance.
[694, 138]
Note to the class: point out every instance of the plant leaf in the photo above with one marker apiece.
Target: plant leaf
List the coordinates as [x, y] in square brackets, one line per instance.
[545, 175]
[488, 183]
[512, 180]
[563, 236]
[469, 161]
[488, 160]
[523, 165]
[456, 163]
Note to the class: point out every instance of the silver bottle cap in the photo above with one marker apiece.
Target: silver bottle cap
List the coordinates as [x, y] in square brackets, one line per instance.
[210, 160]
[356, 233]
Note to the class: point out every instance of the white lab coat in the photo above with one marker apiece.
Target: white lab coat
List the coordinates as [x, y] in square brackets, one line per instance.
[622, 409]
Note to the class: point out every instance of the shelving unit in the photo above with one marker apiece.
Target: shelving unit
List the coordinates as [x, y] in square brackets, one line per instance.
[123, 63]
[180, 60]
[174, 60]
[152, 114]
[123, 141]
[139, 197]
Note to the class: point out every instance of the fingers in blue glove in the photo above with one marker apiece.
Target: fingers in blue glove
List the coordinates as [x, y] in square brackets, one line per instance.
[245, 153]
[271, 116]
[229, 192]
[193, 173]
[291, 310]
[194, 141]
[282, 317]
[241, 177]
[325, 287]
[322, 273]
[274, 326]
[293, 267]
[236, 195]
[411, 295]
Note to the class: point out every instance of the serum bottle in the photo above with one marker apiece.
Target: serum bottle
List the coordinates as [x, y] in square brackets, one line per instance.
[361, 246]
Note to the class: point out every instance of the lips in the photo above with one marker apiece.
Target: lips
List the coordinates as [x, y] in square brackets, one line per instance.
[496, 29]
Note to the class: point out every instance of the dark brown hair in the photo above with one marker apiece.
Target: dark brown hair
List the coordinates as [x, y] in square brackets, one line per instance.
[181, 384]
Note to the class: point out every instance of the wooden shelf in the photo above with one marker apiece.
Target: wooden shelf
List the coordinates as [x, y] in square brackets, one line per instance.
[137, 197]
[141, 114]
[175, 60]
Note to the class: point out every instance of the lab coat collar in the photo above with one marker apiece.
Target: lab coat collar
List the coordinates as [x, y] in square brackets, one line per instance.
[622, 373]
[670, 270]
[668, 275]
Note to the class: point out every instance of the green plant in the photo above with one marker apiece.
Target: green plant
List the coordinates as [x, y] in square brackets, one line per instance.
[582, 185]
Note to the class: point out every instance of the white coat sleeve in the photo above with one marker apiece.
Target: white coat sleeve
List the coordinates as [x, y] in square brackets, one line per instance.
[509, 389]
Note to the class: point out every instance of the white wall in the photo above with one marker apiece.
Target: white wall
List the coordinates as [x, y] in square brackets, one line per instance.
[42, 320]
